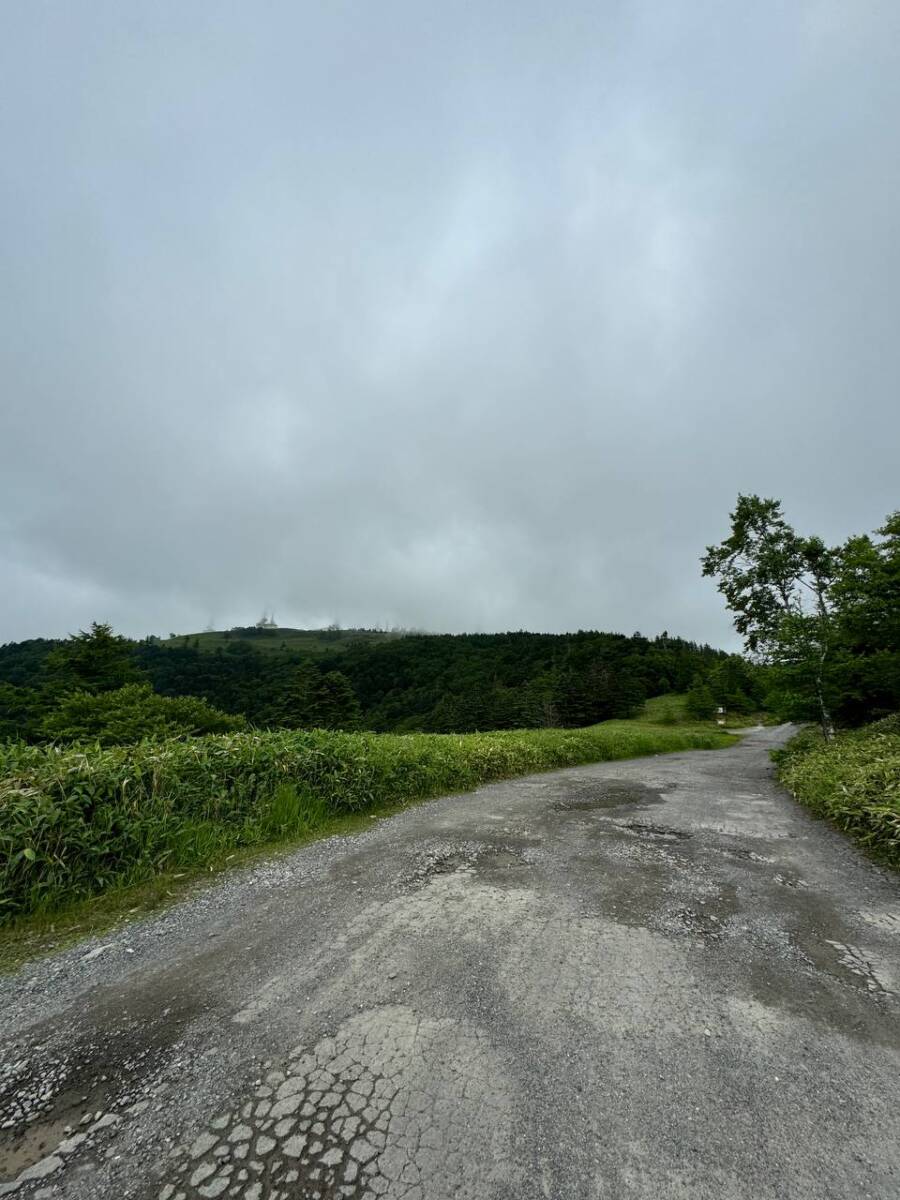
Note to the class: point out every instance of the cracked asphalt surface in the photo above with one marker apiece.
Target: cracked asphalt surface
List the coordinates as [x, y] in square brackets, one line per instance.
[655, 978]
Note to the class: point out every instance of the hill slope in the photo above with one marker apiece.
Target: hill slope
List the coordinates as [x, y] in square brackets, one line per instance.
[281, 642]
[383, 681]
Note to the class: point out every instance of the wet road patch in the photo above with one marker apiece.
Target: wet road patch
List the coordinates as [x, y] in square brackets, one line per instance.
[54, 1103]
[648, 830]
[611, 793]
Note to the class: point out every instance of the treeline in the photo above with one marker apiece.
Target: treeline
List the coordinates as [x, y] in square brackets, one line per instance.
[466, 682]
[100, 686]
[733, 685]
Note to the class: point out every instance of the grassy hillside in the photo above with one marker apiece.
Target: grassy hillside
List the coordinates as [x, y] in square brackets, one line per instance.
[671, 709]
[282, 642]
[386, 682]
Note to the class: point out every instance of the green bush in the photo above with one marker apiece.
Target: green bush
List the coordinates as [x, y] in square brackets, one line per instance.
[853, 780]
[74, 821]
[131, 714]
[889, 724]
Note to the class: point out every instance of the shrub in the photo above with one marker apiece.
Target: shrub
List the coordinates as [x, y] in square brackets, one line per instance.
[131, 714]
[73, 821]
[889, 724]
[853, 780]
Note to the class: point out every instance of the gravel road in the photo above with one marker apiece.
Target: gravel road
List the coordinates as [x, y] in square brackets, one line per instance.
[656, 978]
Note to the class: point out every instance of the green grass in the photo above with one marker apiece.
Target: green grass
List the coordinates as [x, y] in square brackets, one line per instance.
[671, 709]
[853, 781]
[80, 822]
[26, 937]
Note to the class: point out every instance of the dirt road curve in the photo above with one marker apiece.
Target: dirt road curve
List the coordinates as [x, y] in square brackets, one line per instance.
[657, 978]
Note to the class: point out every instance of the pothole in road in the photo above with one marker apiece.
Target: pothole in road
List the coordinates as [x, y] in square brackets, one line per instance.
[50, 1111]
[742, 854]
[818, 934]
[647, 830]
[830, 983]
[707, 918]
[789, 879]
[588, 797]
[445, 862]
[492, 862]
[699, 922]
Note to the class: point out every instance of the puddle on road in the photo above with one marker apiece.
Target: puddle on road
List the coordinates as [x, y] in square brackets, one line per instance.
[55, 1101]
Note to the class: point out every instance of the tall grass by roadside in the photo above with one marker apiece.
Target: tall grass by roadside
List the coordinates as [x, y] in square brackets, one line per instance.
[853, 780]
[76, 821]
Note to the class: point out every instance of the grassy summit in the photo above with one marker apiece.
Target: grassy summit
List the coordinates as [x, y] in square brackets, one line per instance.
[280, 642]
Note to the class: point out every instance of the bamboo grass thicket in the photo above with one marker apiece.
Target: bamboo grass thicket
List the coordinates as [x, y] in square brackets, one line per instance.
[76, 820]
[852, 780]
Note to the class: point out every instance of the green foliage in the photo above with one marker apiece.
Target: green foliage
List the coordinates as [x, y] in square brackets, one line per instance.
[777, 585]
[589, 693]
[336, 704]
[736, 684]
[21, 712]
[275, 642]
[515, 680]
[74, 822]
[311, 700]
[867, 597]
[700, 702]
[131, 714]
[853, 780]
[825, 619]
[889, 724]
[666, 710]
[94, 661]
[24, 663]
[432, 683]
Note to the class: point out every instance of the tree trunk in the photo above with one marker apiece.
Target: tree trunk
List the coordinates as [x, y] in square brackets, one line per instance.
[824, 715]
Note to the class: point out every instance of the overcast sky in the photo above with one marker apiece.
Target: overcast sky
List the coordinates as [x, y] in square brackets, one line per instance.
[455, 316]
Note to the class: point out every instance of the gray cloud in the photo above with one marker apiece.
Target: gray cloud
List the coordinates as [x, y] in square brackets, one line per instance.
[459, 317]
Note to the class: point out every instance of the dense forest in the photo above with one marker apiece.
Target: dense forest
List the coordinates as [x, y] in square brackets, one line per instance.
[84, 686]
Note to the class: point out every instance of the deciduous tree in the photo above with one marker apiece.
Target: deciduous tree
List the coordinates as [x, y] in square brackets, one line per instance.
[779, 585]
